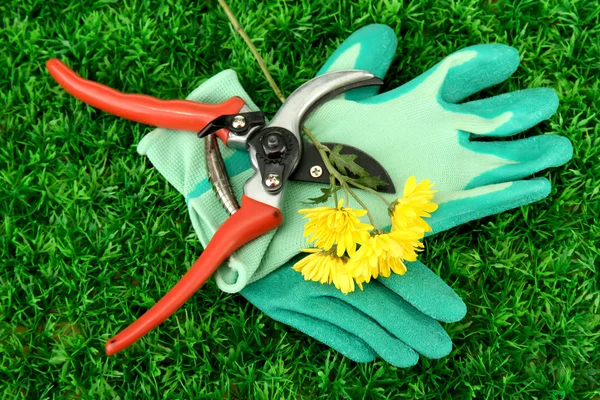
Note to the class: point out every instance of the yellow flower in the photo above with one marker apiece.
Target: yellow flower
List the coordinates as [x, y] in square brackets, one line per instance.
[414, 204]
[339, 226]
[383, 253]
[325, 267]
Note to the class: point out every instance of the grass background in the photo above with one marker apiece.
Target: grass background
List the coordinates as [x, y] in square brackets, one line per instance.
[91, 234]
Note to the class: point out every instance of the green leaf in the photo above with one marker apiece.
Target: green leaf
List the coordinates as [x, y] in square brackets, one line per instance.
[372, 182]
[327, 193]
[345, 162]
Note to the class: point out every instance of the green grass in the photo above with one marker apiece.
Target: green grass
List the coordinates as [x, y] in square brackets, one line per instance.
[91, 235]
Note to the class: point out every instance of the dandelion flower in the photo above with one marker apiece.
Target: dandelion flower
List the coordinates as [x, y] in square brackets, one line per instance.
[384, 253]
[326, 267]
[339, 226]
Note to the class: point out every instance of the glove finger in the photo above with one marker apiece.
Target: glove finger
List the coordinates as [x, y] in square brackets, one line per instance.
[284, 295]
[427, 292]
[329, 334]
[370, 48]
[506, 114]
[457, 208]
[459, 75]
[519, 159]
[489, 65]
[274, 294]
[409, 325]
[372, 336]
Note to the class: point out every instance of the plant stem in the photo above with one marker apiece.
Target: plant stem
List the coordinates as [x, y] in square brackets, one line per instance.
[347, 196]
[261, 62]
[364, 206]
[263, 66]
[334, 174]
[368, 189]
[332, 184]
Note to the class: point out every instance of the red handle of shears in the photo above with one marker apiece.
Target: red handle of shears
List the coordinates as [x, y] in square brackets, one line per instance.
[252, 220]
[172, 114]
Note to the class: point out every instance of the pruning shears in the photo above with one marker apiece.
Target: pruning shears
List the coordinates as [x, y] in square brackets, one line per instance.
[277, 151]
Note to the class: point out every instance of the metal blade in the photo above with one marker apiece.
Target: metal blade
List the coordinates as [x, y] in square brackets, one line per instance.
[311, 161]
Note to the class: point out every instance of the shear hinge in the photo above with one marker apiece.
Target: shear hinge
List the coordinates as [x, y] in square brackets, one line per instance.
[239, 124]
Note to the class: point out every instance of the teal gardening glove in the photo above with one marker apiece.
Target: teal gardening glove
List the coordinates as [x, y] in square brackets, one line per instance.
[417, 129]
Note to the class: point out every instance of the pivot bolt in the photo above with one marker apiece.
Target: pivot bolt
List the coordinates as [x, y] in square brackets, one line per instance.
[273, 145]
[238, 122]
[272, 141]
[316, 171]
[272, 180]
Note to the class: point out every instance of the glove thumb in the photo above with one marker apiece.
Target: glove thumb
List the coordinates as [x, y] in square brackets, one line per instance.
[370, 48]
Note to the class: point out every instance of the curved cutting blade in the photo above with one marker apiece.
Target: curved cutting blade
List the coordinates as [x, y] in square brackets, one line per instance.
[312, 168]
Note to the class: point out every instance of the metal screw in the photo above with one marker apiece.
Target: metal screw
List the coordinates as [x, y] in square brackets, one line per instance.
[316, 171]
[238, 122]
[272, 141]
[272, 180]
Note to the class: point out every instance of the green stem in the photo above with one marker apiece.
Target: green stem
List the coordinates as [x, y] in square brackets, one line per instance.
[332, 184]
[363, 205]
[261, 62]
[335, 175]
[370, 190]
[347, 196]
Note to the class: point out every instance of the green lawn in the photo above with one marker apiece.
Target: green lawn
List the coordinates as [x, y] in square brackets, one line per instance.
[91, 235]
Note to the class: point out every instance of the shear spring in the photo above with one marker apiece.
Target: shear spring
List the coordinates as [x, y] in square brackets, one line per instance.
[217, 175]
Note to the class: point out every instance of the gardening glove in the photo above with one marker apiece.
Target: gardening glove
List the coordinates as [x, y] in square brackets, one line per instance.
[420, 129]
[376, 321]
[178, 156]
